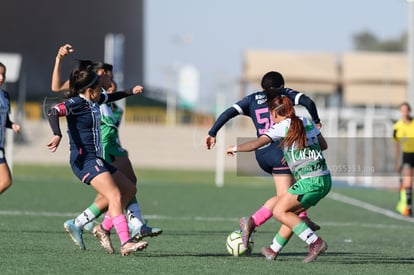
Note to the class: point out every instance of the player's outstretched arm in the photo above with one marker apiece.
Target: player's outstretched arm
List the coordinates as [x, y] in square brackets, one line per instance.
[110, 97]
[310, 106]
[225, 116]
[249, 145]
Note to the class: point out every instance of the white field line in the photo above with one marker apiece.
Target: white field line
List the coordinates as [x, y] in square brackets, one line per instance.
[369, 207]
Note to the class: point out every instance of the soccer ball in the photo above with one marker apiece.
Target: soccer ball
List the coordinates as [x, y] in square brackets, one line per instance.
[234, 244]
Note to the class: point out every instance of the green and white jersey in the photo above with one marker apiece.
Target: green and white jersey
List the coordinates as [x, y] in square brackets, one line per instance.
[304, 163]
[109, 125]
[118, 112]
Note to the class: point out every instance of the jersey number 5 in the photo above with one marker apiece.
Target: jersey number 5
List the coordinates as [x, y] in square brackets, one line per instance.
[263, 119]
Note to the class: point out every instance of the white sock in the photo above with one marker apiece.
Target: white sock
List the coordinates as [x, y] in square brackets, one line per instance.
[308, 236]
[275, 246]
[85, 217]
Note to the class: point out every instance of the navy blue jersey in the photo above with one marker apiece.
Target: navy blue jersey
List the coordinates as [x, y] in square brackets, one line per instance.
[83, 121]
[4, 115]
[255, 106]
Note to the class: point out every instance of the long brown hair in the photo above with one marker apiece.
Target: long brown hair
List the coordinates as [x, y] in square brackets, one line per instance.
[296, 133]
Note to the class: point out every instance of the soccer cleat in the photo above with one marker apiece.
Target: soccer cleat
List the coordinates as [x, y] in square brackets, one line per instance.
[103, 237]
[90, 225]
[131, 246]
[403, 209]
[400, 207]
[75, 233]
[269, 253]
[143, 231]
[315, 249]
[310, 223]
[406, 212]
[247, 227]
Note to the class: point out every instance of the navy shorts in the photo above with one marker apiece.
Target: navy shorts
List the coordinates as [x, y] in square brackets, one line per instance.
[86, 168]
[2, 156]
[270, 158]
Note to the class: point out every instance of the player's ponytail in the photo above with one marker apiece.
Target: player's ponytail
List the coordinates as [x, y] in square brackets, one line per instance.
[296, 133]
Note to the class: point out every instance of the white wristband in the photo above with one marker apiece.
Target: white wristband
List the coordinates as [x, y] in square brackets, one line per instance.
[234, 149]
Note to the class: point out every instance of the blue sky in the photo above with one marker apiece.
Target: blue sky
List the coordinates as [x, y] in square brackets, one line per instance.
[212, 34]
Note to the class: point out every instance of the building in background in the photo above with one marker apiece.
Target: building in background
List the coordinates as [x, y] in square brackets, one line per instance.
[36, 29]
[351, 79]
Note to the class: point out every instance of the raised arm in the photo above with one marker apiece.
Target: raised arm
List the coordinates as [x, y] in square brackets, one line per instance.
[57, 85]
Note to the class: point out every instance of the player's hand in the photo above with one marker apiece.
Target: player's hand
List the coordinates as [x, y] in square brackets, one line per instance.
[319, 125]
[230, 151]
[64, 51]
[54, 143]
[137, 89]
[210, 142]
[16, 128]
[283, 161]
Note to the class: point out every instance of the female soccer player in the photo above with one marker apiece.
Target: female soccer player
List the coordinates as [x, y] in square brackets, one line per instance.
[302, 145]
[113, 153]
[269, 157]
[403, 137]
[81, 109]
[5, 122]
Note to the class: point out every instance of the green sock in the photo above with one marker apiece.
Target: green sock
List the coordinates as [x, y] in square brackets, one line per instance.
[95, 210]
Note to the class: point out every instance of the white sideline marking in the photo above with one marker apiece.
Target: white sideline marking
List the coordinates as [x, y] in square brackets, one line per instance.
[369, 207]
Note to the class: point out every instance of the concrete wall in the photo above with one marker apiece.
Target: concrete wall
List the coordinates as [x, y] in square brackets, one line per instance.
[149, 146]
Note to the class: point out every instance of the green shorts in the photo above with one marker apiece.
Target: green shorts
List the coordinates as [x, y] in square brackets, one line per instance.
[112, 148]
[311, 190]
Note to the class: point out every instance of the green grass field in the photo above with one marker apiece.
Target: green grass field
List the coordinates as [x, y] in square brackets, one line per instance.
[196, 217]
